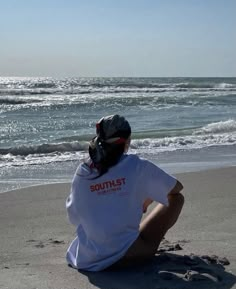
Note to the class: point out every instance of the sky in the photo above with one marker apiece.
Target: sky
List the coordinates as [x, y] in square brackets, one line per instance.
[126, 38]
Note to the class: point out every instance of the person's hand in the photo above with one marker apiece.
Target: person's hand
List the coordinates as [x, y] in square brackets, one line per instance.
[146, 203]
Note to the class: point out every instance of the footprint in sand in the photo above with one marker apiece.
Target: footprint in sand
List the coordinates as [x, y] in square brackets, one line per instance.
[41, 244]
[56, 242]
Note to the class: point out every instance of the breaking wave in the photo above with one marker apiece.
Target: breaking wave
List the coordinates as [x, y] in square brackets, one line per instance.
[218, 127]
[218, 133]
[44, 119]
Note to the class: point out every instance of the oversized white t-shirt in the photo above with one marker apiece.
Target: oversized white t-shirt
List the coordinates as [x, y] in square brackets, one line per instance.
[107, 210]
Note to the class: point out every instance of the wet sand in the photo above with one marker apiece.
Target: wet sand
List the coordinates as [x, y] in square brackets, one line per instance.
[199, 252]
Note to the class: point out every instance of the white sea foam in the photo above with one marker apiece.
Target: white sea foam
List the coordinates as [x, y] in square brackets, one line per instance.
[38, 113]
[10, 160]
[225, 85]
[218, 127]
[186, 142]
[214, 134]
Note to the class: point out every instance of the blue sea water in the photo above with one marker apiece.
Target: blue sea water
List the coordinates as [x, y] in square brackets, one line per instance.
[183, 124]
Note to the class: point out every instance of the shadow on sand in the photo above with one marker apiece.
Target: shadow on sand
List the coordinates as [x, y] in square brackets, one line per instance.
[168, 271]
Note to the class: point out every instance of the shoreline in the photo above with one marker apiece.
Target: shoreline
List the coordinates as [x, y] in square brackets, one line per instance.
[174, 162]
[36, 234]
[177, 174]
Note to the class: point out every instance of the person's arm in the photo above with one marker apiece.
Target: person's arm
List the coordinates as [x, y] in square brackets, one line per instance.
[175, 195]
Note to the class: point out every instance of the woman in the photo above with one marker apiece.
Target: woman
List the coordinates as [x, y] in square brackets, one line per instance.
[109, 194]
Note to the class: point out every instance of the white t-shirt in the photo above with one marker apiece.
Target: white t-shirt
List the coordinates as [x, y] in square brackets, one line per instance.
[107, 210]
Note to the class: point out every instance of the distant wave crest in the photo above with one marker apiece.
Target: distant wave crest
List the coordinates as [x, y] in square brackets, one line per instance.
[16, 101]
[21, 92]
[70, 86]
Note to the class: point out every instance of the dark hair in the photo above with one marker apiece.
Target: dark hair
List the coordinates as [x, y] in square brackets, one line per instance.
[106, 149]
[110, 155]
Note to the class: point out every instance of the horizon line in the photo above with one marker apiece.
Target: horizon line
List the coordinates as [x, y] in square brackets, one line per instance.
[47, 76]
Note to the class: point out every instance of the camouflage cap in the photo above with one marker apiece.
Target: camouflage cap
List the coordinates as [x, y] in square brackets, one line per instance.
[113, 129]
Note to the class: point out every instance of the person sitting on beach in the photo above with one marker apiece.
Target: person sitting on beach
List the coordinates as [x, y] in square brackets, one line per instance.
[110, 192]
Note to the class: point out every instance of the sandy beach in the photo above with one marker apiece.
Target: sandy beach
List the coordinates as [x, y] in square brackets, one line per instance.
[35, 234]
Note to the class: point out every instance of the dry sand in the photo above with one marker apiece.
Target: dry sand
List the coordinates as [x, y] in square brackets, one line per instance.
[35, 234]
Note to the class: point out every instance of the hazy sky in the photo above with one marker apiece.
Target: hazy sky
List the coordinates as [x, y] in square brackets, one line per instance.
[117, 38]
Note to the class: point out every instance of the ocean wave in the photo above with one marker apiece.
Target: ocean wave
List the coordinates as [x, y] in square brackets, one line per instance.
[43, 84]
[103, 100]
[10, 160]
[217, 127]
[140, 146]
[70, 86]
[110, 90]
[218, 133]
[163, 100]
[17, 101]
[46, 148]
[226, 85]
[206, 85]
[186, 142]
[25, 92]
[10, 101]
[193, 85]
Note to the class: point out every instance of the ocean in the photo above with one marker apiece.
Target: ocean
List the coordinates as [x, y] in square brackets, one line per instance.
[182, 124]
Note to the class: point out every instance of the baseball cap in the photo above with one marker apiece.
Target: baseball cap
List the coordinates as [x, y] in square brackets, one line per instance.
[113, 129]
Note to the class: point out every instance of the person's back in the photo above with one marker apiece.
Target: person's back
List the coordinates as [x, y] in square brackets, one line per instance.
[106, 202]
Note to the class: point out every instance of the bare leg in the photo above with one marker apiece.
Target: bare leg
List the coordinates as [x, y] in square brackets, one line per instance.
[160, 220]
[153, 229]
